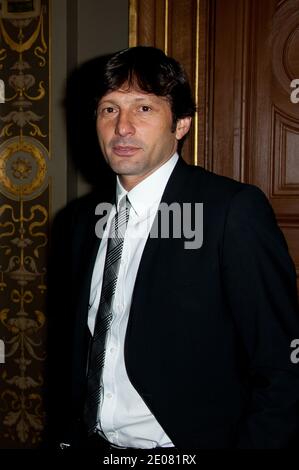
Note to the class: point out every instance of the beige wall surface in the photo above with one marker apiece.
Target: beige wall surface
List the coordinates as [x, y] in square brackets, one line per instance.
[80, 31]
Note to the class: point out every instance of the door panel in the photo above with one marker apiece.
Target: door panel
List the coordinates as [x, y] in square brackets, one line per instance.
[241, 57]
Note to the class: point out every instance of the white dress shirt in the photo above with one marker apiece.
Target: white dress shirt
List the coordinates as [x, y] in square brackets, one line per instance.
[125, 419]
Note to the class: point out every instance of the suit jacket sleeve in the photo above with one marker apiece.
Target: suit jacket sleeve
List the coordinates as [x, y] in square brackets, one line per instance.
[260, 284]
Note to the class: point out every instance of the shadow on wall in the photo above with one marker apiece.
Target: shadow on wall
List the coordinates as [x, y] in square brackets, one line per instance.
[72, 232]
[80, 105]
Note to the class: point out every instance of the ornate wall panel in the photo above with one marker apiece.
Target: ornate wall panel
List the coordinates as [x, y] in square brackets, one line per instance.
[24, 209]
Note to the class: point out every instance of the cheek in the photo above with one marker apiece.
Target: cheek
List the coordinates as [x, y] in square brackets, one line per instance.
[166, 137]
[157, 134]
[103, 135]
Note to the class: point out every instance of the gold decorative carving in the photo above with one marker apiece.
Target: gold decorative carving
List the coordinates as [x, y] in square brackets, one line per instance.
[40, 51]
[23, 9]
[23, 168]
[21, 46]
[166, 23]
[41, 93]
[20, 232]
[24, 160]
[133, 23]
[196, 84]
[21, 82]
[3, 56]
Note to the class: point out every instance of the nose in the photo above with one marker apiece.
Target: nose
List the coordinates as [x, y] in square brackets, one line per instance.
[124, 125]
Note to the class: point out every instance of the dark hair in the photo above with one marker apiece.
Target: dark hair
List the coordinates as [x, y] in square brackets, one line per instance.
[150, 70]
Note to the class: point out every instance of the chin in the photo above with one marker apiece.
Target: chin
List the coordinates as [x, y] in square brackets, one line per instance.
[125, 168]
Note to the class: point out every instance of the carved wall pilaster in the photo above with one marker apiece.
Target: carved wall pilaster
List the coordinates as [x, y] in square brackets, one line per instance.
[24, 209]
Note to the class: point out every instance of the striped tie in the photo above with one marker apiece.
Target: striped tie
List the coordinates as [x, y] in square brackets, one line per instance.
[104, 316]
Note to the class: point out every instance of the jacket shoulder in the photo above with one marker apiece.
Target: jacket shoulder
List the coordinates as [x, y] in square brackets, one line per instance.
[216, 187]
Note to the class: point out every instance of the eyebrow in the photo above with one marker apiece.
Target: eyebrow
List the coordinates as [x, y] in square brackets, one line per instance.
[115, 102]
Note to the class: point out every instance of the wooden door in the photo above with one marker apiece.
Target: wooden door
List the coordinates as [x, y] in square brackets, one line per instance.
[241, 56]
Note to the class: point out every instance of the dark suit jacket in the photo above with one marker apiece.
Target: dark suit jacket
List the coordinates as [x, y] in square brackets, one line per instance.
[208, 339]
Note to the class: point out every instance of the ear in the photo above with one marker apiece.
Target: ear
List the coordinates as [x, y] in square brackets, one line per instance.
[182, 127]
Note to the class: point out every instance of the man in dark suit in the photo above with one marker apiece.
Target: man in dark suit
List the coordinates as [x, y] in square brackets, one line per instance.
[195, 333]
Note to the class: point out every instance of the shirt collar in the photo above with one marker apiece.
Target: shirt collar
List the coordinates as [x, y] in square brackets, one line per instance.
[144, 195]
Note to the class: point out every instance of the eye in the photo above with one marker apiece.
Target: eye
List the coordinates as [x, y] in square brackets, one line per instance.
[109, 110]
[105, 110]
[145, 108]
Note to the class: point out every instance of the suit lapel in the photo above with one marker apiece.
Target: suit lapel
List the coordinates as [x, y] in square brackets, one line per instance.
[172, 193]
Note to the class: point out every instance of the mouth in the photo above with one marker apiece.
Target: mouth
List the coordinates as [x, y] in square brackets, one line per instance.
[125, 150]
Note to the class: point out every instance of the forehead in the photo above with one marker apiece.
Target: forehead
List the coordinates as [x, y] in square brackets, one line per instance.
[132, 95]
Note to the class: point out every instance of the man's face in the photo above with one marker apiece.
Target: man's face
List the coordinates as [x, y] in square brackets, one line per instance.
[135, 133]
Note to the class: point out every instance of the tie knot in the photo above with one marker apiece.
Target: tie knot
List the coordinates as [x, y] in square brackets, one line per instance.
[124, 204]
[128, 204]
[119, 225]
